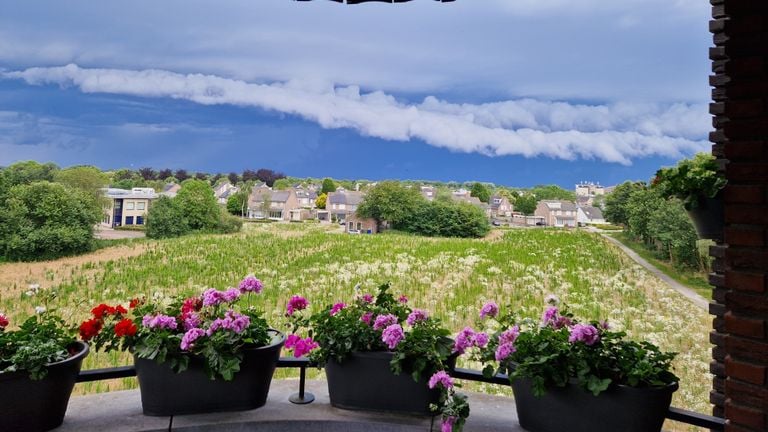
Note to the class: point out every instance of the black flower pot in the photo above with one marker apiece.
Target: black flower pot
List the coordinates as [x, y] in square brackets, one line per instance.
[364, 381]
[39, 405]
[571, 408]
[165, 392]
[709, 217]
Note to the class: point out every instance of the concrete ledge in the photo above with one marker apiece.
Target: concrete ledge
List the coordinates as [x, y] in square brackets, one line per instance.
[121, 412]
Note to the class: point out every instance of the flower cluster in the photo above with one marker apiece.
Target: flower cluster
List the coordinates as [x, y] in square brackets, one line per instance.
[558, 349]
[211, 324]
[420, 345]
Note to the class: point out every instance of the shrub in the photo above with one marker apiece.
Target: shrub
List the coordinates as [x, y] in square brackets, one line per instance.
[228, 224]
[46, 220]
[166, 219]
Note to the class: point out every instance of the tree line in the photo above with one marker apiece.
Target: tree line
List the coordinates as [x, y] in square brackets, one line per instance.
[662, 225]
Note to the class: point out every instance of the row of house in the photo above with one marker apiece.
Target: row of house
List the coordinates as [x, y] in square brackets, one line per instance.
[558, 213]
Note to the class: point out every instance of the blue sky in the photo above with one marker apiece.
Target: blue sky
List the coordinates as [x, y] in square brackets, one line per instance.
[519, 92]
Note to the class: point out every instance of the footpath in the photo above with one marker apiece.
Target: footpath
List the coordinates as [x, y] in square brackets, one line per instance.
[690, 294]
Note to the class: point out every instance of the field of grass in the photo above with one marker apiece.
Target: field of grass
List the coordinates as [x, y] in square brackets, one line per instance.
[450, 277]
[696, 280]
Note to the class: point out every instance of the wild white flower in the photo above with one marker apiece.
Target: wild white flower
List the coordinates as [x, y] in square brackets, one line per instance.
[552, 299]
[39, 309]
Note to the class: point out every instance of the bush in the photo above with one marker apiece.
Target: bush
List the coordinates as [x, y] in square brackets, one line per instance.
[166, 219]
[228, 224]
[46, 220]
[448, 219]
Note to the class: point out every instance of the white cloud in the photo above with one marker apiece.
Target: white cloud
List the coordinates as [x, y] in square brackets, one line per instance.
[613, 133]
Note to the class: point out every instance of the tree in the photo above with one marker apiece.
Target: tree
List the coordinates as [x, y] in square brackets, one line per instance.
[526, 204]
[640, 206]
[233, 178]
[481, 192]
[553, 192]
[267, 176]
[447, 218]
[45, 220]
[321, 200]
[281, 184]
[166, 219]
[237, 203]
[249, 175]
[673, 232]
[201, 176]
[181, 175]
[88, 179]
[164, 174]
[616, 202]
[25, 173]
[328, 186]
[198, 204]
[122, 174]
[392, 202]
[147, 173]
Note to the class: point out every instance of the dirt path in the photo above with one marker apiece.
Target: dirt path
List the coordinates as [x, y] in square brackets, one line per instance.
[16, 277]
[690, 294]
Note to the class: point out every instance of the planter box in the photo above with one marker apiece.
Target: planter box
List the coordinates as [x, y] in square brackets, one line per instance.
[166, 393]
[36, 406]
[364, 381]
[571, 408]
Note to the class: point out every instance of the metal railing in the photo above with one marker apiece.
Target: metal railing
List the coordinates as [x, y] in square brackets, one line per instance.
[302, 397]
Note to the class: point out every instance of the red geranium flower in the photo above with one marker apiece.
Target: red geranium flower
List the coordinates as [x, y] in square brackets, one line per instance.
[124, 328]
[90, 328]
[102, 310]
[3, 321]
[134, 302]
[121, 310]
[192, 304]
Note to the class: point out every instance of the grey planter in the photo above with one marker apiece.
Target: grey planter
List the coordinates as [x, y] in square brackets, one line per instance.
[39, 405]
[571, 408]
[166, 393]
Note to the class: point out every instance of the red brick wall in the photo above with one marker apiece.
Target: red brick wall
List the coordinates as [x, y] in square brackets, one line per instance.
[740, 141]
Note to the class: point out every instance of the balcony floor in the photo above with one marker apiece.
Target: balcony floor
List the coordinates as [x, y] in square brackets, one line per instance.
[121, 412]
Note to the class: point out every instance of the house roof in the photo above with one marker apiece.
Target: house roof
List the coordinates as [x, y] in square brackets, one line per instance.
[559, 205]
[345, 197]
[592, 212]
[135, 193]
[274, 196]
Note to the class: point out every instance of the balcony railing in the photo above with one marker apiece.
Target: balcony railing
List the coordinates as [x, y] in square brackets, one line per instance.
[303, 397]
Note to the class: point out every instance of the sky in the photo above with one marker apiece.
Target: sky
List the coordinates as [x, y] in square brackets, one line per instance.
[514, 92]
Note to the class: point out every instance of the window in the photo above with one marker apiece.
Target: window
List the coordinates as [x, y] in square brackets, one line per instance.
[140, 205]
[129, 205]
[276, 214]
[351, 226]
[139, 220]
[106, 219]
[359, 226]
[129, 220]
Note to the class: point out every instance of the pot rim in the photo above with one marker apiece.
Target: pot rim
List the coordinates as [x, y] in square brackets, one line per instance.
[674, 386]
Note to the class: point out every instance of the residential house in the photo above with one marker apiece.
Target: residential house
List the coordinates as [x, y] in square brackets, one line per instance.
[500, 207]
[589, 189]
[355, 224]
[557, 213]
[589, 216]
[127, 207]
[306, 198]
[342, 203]
[223, 191]
[264, 203]
[527, 220]
[171, 189]
[428, 192]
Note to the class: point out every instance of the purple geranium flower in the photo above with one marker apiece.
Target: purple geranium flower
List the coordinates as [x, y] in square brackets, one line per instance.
[504, 350]
[416, 316]
[189, 338]
[296, 303]
[464, 340]
[447, 425]
[490, 309]
[383, 321]
[442, 378]
[250, 284]
[584, 333]
[159, 321]
[366, 317]
[549, 316]
[403, 299]
[509, 336]
[337, 307]
[392, 335]
[213, 297]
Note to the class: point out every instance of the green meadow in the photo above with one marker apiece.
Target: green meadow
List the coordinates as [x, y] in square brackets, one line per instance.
[450, 277]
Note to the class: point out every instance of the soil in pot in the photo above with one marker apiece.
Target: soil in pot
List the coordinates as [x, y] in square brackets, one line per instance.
[571, 408]
[40, 405]
[165, 393]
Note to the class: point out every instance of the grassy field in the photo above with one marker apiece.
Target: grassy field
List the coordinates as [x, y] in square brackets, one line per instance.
[696, 280]
[450, 277]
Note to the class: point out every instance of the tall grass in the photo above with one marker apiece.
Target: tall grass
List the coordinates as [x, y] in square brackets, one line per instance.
[450, 277]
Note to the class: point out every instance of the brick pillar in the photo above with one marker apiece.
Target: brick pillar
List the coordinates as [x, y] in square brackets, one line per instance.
[740, 142]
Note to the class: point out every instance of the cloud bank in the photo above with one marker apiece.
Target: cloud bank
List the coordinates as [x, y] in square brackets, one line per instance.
[616, 133]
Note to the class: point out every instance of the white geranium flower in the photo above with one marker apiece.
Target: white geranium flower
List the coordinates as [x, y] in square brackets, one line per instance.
[39, 309]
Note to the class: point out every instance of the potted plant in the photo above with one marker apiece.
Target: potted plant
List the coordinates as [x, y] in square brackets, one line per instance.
[401, 354]
[39, 364]
[570, 375]
[697, 184]
[207, 353]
